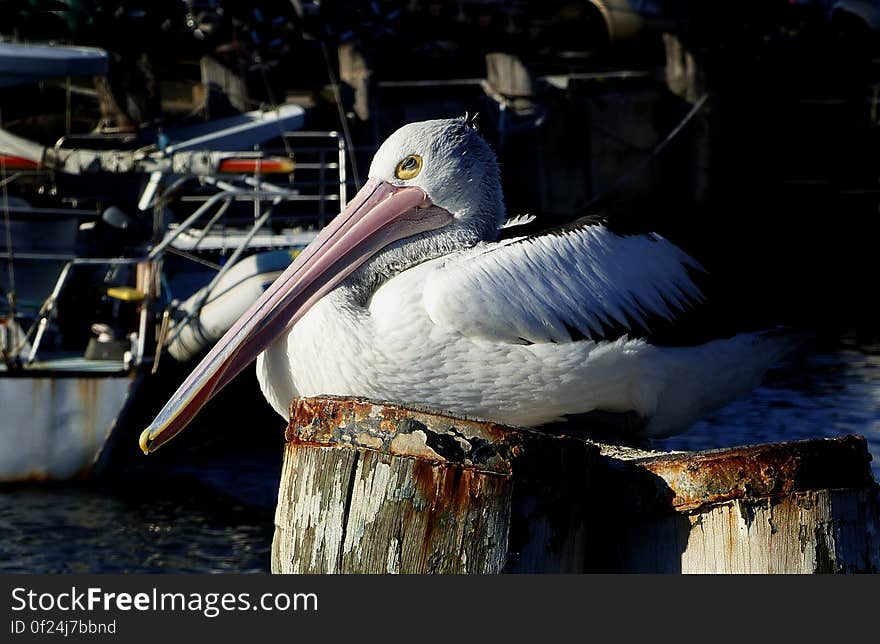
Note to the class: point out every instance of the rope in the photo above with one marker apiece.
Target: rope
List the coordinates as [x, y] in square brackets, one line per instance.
[193, 258]
[160, 341]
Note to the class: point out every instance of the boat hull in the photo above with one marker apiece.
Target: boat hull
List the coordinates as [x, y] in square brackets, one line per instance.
[54, 428]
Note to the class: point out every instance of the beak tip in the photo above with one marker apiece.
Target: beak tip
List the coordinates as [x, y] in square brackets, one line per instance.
[144, 441]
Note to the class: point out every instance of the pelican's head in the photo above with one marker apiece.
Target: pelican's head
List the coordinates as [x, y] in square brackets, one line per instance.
[451, 163]
[433, 186]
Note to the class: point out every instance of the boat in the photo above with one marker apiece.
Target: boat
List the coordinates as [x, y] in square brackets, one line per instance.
[94, 294]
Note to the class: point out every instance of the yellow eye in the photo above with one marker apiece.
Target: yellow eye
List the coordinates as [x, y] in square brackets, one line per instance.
[409, 167]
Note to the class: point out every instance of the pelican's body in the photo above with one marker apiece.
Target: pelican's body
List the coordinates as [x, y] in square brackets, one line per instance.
[413, 295]
[390, 348]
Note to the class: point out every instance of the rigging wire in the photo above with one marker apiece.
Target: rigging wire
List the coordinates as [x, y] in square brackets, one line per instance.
[10, 356]
[641, 165]
[276, 107]
[334, 86]
[7, 224]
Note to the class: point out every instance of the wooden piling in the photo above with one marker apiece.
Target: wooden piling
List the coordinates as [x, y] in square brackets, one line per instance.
[799, 507]
[374, 487]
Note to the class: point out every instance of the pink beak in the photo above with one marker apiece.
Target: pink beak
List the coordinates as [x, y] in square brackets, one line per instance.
[379, 215]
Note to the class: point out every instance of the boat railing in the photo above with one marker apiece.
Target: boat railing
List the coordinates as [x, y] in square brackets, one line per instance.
[227, 193]
[319, 160]
[95, 140]
[320, 185]
[224, 197]
[317, 187]
[49, 306]
[324, 185]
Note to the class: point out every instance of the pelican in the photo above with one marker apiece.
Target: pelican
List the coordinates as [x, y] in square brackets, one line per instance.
[418, 293]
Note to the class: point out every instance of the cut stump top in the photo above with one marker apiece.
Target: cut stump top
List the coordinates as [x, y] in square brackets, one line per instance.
[681, 481]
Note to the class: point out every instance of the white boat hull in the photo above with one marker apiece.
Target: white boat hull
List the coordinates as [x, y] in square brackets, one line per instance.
[54, 428]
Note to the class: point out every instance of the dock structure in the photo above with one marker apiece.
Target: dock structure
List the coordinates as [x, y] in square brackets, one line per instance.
[370, 487]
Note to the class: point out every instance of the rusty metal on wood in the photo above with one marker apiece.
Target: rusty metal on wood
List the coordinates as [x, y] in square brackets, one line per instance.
[378, 487]
[388, 428]
[375, 487]
[694, 479]
[798, 507]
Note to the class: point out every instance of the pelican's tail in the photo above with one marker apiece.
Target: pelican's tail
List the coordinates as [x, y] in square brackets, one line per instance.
[704, 378]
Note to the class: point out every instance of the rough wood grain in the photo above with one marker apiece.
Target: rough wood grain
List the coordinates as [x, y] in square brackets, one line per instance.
[799, 507]
[374, 488]
[806, 532]
[378, 488]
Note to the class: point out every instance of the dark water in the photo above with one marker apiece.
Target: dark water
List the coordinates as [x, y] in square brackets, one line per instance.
[212, 512]
[213, 517]
[817, 392]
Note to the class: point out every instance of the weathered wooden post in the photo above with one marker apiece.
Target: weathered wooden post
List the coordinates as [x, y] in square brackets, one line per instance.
[375, 487]
[799, 507]
[369, 488]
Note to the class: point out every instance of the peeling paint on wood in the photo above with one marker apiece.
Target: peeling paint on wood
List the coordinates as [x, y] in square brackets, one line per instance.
[798, 507]
[377, 488]
[820, 531]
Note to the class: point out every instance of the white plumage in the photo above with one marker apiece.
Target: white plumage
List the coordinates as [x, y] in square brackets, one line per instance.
[535, 289]
[509, 331]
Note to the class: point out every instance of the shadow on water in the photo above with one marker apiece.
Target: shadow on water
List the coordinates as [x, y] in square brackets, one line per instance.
[204, 503]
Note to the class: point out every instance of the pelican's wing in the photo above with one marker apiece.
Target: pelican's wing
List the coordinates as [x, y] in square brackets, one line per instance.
[581, 281]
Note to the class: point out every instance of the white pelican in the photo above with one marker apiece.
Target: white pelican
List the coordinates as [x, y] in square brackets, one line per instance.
[411, 295]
